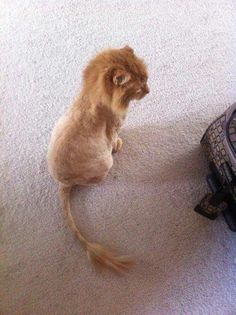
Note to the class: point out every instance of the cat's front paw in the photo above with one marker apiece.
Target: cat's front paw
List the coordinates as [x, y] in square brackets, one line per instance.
[118, 145]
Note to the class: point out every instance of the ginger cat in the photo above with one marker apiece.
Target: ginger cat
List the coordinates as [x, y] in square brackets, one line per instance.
[84, 138]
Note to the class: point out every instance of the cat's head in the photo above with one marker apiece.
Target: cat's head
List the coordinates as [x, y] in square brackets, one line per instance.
[128, 74]
[118, 73]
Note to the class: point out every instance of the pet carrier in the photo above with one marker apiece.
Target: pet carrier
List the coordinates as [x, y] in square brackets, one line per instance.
[219, 144]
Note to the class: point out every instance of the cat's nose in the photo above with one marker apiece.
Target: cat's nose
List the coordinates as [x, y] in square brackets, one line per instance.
[146, 89]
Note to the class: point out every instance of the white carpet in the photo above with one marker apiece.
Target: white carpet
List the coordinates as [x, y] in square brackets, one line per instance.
[185, 264]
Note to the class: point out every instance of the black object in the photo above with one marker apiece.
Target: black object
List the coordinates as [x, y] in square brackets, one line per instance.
[219, 143]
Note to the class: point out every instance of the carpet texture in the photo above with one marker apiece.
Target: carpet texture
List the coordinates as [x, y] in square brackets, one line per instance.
[185, 264]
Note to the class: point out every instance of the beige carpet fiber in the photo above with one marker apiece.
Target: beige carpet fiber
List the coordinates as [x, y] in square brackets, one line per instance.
[185, 264]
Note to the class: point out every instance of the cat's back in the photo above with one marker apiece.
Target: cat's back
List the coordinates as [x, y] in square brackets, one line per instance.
[75, 145]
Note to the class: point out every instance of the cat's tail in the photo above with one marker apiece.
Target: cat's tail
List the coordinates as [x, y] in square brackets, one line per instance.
[97, 254]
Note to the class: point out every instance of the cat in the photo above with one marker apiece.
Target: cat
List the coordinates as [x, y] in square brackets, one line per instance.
[84, 138]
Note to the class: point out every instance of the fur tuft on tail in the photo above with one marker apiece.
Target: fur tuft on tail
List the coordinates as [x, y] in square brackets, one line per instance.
[100, 256]
[97, 254]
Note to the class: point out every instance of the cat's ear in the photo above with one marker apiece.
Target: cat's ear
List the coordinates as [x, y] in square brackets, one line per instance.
[121, 77]
[127, 48]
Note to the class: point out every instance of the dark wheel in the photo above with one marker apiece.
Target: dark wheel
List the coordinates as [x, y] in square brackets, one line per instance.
[206, 209]
[230, 216]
